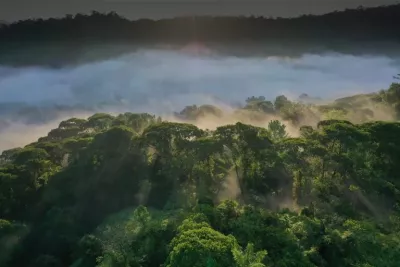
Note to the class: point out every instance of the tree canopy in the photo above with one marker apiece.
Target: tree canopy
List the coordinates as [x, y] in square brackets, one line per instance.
[136, 190]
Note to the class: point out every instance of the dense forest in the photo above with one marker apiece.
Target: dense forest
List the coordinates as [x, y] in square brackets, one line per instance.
[349, 31]
[362, 23]
[138, 190]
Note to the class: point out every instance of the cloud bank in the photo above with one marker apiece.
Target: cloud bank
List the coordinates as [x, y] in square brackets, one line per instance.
[161, 82]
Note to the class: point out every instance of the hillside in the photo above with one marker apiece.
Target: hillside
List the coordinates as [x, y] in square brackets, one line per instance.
[61, 41]
[138, 190]
[355, 24]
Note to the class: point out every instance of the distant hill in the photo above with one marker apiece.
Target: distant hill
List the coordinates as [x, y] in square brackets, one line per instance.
[351, 24]
[361, 30]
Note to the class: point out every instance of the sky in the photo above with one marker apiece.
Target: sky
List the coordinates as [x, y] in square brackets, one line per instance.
[12, 10]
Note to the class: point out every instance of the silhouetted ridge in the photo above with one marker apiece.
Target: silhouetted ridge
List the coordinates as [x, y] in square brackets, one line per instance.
[364, 24]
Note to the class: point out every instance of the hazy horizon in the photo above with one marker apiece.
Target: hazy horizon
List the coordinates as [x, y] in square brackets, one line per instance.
[162, 82]
[151, 72]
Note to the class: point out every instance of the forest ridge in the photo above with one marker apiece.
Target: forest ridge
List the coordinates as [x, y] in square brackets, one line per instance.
[137, 190]
[362, 24]
[79, 38]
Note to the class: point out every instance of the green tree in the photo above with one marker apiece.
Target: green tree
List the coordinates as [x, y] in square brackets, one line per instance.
[197, 244]
[248, 257]
[280, 102]
[276, 131]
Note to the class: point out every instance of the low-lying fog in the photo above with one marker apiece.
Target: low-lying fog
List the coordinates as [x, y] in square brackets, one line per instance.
[162, 82]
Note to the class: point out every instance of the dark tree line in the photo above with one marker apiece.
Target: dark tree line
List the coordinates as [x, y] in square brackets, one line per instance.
[350, 31]
[353, 24]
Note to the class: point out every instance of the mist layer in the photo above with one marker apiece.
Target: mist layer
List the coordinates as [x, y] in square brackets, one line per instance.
[162, 82]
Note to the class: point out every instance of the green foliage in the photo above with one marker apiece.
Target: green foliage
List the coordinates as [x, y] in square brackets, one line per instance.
[280, 102]
[276, 131]
[260, 104]
[133, 190]
[8, 155]
[10, 235]
[249, 258]
[194, 112]
[89, 250]
[197, 244]
[335, 114]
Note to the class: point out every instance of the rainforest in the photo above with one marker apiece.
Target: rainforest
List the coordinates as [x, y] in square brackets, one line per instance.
[101, 165]
[137, 190]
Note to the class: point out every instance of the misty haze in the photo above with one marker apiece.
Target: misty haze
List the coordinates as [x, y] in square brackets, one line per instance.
[165, 81]
[167, 76]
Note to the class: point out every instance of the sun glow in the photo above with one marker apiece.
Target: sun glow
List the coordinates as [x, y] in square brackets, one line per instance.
[196, 48]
